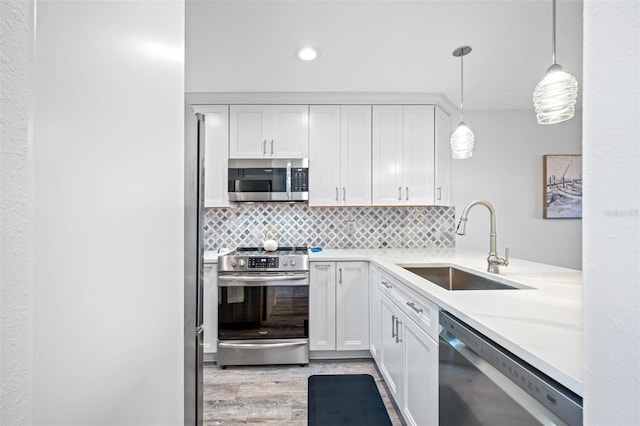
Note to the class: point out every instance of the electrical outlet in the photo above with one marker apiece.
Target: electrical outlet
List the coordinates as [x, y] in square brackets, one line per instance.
[351, 227]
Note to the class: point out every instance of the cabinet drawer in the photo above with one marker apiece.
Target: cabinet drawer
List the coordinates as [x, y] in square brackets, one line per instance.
[386, 284]
[417, 307]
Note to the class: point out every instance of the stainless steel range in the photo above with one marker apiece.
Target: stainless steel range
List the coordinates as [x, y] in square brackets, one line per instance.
[263, 307]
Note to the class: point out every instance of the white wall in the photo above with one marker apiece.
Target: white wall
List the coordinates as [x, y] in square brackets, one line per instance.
[612, 212]
[108, 161]
[16, 299]
[506, 170]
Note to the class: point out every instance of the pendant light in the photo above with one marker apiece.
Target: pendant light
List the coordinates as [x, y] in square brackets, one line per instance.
[462, 138]
[554, 98]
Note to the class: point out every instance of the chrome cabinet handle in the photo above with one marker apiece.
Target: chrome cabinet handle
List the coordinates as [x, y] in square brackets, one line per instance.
[264, 147]
[344, 194]
[399, 193]
[407, 197]
[439, 193]
[340, 278]
[393, 324]
[271, 147]
[337, 197]
[413, 306]
[384, 283]
[398, 339]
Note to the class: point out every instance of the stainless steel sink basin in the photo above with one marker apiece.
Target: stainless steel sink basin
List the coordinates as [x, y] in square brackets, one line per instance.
[451, 278]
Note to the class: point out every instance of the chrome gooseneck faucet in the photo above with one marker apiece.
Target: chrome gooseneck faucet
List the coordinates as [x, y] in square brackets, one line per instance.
[494, 261]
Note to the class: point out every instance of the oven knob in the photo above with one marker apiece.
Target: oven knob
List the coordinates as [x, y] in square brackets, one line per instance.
[293, 262]
[233, 263]
[284, 262]
[241, 263]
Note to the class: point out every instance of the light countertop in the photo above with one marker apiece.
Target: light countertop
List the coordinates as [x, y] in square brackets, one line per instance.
[542, 324]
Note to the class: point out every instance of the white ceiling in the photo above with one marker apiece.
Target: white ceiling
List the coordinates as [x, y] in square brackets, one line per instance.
[381, 46]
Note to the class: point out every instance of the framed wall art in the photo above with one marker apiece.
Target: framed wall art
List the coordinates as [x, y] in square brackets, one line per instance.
[562, 186]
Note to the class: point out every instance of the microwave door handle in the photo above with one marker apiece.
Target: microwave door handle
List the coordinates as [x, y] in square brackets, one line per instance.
[288, 180]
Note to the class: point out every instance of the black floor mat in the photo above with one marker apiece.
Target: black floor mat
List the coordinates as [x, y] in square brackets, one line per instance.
[345, 399]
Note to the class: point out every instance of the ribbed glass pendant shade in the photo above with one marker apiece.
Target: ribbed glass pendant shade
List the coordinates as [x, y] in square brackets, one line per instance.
[462, 142]
[462, 138]
[554, 98]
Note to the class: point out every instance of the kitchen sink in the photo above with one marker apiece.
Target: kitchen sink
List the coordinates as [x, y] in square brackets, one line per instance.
[451, 278]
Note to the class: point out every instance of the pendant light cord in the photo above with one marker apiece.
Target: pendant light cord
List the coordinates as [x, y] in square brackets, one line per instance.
[554, 32]
[462, 88]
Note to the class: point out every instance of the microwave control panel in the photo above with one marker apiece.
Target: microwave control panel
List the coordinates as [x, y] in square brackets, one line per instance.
[299, 180]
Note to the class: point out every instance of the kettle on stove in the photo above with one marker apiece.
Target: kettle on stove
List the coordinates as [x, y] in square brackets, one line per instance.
[272, 243]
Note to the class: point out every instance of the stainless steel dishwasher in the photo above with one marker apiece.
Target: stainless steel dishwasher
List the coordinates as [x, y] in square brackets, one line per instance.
[480, 383]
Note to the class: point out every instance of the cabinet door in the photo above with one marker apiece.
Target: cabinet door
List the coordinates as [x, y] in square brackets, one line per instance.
[210, 309]
[324, 155]
[421, 376]
[375, 323]
[216, 119]
[419, 155]
[249, 131]
[322, 306]
[355, 155]
[443, 133]
[289, 131]
[391, 365]
[352, 306]
[387, 155]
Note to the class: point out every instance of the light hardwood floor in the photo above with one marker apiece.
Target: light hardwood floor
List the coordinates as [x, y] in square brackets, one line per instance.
[275, 395]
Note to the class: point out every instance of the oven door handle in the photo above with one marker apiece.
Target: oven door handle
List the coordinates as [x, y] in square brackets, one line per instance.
[261, 345]
[262, 280]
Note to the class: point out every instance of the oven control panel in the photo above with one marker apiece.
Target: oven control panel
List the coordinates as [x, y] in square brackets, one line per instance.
[263, 262]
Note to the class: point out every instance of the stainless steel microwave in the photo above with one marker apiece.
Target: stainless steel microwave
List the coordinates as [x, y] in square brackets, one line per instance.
[268, 179]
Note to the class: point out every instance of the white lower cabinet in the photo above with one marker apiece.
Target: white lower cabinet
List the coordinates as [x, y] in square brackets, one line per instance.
[322, 306]
[375, 321]
[408, 353]
[420, 405]
[339, 306]
[210, 308]
[391, 353]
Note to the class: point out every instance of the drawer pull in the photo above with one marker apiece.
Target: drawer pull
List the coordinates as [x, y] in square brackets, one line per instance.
[384, 283]
[413, 306]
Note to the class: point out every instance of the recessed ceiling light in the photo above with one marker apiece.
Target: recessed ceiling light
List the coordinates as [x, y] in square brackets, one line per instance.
[307, 53]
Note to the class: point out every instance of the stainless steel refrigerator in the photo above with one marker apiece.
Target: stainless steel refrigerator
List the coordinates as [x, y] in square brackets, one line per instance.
[193, 270]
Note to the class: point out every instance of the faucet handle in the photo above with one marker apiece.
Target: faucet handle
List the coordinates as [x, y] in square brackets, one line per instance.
[506, 256]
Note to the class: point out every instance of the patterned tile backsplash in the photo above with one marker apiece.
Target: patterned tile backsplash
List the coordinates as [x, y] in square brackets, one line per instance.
[330, 227]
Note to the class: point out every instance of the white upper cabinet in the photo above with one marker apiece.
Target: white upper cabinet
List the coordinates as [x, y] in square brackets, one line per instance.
[355, 154]
[419, 155]
[387, 156]
[216, 151]
[324, 155]
[340, 155]
[443, 154]
[404, 151]
[269, 131]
